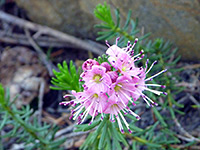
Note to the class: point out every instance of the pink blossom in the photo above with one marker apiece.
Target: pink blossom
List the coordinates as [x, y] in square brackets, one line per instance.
[110, 87]
[121, 90]
[140, 85]
[106, 65]
[96, 79]
[92, 102]
[114, 109]
[113, 75]
[127, 67]
[87, 65]
[114, 53]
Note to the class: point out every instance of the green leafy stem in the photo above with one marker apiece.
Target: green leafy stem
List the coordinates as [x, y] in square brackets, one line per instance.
[21, 119]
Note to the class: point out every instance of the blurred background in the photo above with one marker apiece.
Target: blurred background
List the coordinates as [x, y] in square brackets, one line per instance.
[35, 35]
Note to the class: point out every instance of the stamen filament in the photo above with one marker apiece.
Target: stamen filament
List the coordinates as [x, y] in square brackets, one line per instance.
[156, 75]
[150, 67]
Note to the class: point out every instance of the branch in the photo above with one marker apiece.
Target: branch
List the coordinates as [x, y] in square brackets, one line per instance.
[49, 31]
[188, 137]
[42, 41]
[41, 54]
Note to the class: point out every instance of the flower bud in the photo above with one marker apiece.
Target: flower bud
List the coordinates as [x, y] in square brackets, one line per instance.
[106, 65]
[113, 75]
[87, 65]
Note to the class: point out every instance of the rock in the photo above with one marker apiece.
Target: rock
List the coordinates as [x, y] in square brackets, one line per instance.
[23, 73]
[64, 15]
[177, 21]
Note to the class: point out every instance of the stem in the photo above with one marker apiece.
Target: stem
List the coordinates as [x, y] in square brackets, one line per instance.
[124, 33]
[24, 125]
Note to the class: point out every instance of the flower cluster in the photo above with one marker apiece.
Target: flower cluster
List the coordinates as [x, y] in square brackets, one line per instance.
[110, 86]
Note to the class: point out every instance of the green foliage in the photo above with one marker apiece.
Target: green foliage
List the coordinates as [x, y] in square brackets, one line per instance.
[113, 29]
[157, 136]
[24, 126]
[158, 49]
[67, 78]
[102, 59]
[106, 135]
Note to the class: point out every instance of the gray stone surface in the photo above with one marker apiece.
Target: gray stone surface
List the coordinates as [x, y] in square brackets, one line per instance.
[177, 21]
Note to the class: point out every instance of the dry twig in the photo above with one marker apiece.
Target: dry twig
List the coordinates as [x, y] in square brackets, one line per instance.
[43, 41]
[41, 55]
[65, 130]
[49, 31]
[188, 137]
[194, 147]
[40, 104]
[193, 66]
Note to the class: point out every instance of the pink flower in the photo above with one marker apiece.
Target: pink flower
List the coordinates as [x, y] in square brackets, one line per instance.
[140, 85]
[87, 65]
[121, 90]
[127, 67]
[122, 59]
[114, 53]
[114, 109]
[106, 65]
[96, 79]
[113, 75]
[110, 87]
[86, 103]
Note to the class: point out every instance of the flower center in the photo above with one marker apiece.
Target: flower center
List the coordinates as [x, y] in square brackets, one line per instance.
[124, 69]
[96, 95]
[97, 78]
[115, 106]
[117, 88]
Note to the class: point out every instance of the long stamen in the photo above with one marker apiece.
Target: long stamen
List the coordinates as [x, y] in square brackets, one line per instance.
[137, 59]
[128, 89]
[121, 100]
[93, 115]
[119, 124]
[150, 100]
[154, 91]
[146, 100]
[146, 64]
[78, 107]
[87, 111]
[65, 103]
[67, 95]
[156, 85]
[151, 66]
[117, 39]
[127, 125]
[156, 75]
[112, 119]
[107, 43]
[136, 40]
[77, 113]
[101, 112]
[134, 114]
[137, 54]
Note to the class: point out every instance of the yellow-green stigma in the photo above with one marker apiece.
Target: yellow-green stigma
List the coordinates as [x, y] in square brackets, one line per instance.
[117, 88]
[124, 69]
[96, 95]
[97, 78]
[115, 105]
